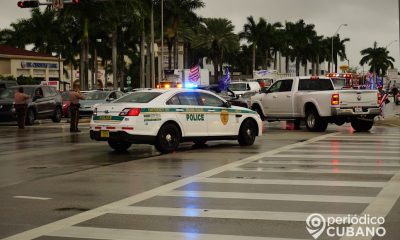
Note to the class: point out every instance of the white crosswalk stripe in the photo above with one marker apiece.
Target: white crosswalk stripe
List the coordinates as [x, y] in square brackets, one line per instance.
[327, 155]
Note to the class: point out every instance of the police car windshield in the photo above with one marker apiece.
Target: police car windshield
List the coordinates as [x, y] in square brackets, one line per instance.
[139, 97]
[238, 86]
[98, 95]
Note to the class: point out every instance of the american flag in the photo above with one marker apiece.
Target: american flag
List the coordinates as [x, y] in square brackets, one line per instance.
[194, 74]
[383, 101]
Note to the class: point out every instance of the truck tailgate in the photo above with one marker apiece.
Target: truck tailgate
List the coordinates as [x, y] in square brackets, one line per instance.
[358, 98]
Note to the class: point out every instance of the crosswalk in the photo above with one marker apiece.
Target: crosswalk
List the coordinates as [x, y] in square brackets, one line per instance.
[266, 196]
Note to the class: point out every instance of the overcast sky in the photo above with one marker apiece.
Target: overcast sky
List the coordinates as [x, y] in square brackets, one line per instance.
[368, 20]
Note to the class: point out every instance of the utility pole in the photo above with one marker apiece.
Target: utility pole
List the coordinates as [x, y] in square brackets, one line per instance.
[161, 77]
[153, 72]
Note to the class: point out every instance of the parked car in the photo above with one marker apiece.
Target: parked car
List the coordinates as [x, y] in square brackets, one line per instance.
[96, 97]
[45, 103]
[240, 88]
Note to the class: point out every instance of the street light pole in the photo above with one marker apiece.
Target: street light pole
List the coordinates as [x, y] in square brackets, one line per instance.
[162, 40]
[343, 24]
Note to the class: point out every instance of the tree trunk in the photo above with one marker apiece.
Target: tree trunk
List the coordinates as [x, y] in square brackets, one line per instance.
[142, 59]
[275, 59]
[114, 57]
[297, 67]
[287, 64]
[170, 44]
[305, 69]
[216, 74]
[254, 57]
[317, 67]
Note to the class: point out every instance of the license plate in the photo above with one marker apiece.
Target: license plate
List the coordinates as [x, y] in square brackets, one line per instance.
[358, 110]
[105, 117]
[104, 134]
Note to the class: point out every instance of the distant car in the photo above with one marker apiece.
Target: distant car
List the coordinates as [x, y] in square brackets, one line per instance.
[46, 103]
[96, 97]
[7, 83]
[240, 88]
[167, 117]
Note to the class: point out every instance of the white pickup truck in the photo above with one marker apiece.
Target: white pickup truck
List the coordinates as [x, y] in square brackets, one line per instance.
[315, 100]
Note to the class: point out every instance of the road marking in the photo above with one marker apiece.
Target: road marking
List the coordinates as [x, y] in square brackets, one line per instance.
[217, 213]
[326, 163]
[294, 182]
[362, 137]
[307, 170]
[334, 146]
[76, 219]
[335, 157]
[382, 204]
[341, 143]
[267, 196]
[343, 151]
[127, 234]
[33, 198]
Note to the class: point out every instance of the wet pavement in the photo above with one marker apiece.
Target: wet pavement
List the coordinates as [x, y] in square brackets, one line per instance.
[57, 185]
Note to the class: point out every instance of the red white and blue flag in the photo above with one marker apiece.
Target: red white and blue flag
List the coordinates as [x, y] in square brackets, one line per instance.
[194, 74]
[384, 98]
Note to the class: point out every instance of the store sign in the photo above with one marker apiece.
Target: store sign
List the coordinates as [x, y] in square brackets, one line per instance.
[38, 65]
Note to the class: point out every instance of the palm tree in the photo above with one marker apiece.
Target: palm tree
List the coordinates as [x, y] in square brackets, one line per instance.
[377, 58]
[339, 49]
[253, 32]
[217, 38]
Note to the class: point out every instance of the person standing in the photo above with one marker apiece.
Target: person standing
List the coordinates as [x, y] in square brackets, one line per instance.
[75, 95]
[21, 105]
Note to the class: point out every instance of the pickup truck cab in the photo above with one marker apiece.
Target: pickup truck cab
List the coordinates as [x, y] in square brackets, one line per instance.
[315, 100]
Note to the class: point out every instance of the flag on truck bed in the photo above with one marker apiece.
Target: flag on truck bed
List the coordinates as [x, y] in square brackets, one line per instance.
[194, 74]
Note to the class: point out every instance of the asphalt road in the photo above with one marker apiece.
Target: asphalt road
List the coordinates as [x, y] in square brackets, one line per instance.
[57, 185]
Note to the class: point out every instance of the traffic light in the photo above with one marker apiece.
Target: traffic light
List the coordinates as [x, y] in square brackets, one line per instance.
[28, 4]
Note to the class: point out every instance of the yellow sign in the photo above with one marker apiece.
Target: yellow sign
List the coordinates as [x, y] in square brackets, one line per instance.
[224, 117]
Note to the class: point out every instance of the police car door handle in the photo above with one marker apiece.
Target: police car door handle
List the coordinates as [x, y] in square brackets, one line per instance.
[180, 110]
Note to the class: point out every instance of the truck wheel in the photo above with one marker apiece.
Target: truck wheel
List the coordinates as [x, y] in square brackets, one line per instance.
[362, 125]
[314, 122]
[259, 111]
[247, 133]
[168, 138]
[30, 117]
[57, 115]
[119, 146]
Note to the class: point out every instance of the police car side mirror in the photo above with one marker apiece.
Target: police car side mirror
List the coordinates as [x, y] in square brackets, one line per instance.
[227, 105]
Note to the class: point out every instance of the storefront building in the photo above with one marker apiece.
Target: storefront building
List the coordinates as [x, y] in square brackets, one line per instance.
[20, 62]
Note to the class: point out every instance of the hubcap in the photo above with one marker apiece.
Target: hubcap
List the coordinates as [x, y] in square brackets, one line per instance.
[311, 120]
[168, 137]
[248, 132]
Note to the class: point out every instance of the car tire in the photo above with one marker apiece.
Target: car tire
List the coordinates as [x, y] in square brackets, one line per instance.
[259, 111]
[30, 117]
[119, 146]
[314, 122]
[362, 125]
[247, 133]
[57, 115]
[168, 138]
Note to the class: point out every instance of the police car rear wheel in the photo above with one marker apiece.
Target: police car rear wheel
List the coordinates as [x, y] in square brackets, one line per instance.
[247, 133]
[119, 146]
[168, 138]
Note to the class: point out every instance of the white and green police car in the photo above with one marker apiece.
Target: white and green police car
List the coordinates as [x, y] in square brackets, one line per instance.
[167, 117]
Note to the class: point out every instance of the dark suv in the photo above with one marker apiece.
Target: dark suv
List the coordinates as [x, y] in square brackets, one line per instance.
[46, 103]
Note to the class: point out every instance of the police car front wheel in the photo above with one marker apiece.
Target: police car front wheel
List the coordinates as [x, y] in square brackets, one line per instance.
[247, 133]
[168, 138]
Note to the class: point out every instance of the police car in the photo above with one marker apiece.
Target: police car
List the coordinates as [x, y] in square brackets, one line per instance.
[166, 117]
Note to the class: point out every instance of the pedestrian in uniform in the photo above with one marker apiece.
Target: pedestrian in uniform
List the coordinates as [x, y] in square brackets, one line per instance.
[20, 104]
[75, 96]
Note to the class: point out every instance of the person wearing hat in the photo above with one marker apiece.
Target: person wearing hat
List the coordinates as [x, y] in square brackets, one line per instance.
[21, 104]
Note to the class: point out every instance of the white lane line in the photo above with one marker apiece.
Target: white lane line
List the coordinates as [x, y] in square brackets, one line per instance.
[343, 151]
[376, 137]
[127, 234]
[340, 143]
[382, 204]
[217, 213]
[32, 198]
[364, 139]
[267, 196]
[326, 163]
[76, 219]
[335, 157]
[333, 146]
[294, 182]
[306, 170]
